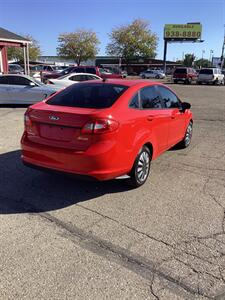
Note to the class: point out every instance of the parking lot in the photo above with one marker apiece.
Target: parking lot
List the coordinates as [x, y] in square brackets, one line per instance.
[62, 238]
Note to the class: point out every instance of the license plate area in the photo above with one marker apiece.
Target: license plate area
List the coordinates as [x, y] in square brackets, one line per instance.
[56, 132]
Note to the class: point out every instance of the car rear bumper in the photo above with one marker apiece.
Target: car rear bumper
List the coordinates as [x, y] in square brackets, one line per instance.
[179, 79]
[102, 163]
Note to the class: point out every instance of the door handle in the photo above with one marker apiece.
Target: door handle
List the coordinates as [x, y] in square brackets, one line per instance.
[175, 116]
[150, 118]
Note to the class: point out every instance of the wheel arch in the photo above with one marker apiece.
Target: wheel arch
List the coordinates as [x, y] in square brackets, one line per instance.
[150, 147]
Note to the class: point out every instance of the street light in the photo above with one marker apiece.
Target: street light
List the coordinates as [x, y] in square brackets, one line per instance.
[203, 51]
[211, 56]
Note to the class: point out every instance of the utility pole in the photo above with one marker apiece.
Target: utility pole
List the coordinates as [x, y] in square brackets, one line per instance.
[223, 50]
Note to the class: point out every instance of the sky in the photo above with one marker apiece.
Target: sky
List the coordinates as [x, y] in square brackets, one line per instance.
[46, 19]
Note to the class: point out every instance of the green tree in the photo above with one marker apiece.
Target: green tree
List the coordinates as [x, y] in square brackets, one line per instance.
[18, 55]
[79, 45]
[133, 40]
[205, 63]
[189, 60]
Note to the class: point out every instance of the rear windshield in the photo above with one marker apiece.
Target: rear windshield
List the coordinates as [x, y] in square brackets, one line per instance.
[181, 70]
[206, 71]
[95, 95]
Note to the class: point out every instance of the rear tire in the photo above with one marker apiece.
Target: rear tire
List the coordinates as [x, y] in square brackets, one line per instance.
[188, 135]
[140, 171]
[143, 76]
[175, 81]
[188, 81]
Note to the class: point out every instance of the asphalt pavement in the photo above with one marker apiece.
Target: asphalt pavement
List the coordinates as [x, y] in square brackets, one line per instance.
[62, 238]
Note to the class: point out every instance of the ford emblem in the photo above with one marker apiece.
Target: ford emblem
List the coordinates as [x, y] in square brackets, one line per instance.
[53, 118]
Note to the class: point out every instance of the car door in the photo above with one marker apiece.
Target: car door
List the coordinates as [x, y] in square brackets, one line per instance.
[156, 117]
[24, 91]
[150, 74]
[172, 106]
[150, 119]
[4, 90]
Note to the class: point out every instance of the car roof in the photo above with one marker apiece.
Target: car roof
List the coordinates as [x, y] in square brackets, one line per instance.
[17, 75]
[126, 82]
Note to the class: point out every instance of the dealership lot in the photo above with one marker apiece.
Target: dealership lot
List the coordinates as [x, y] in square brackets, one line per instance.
[67, 239]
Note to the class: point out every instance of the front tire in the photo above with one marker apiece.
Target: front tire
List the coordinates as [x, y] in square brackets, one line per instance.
[141, 168]
[188, 135]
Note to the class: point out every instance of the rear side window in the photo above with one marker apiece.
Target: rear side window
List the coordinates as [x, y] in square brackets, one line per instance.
[181, 71]
[96, 95]
[17, 80]
[78, 78]
[206, 71]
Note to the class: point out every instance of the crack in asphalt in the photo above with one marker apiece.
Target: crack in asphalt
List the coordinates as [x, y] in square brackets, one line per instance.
[125, 225]
[152, 289]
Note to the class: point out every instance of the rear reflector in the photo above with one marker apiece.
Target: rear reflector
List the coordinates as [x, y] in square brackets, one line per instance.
[100, 126]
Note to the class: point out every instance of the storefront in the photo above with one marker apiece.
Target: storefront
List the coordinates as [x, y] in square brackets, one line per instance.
[10, 39]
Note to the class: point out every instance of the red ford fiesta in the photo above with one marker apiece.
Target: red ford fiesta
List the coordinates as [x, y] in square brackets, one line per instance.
[105, 129]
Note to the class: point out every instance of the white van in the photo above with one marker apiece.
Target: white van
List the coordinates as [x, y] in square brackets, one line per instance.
[210, 75]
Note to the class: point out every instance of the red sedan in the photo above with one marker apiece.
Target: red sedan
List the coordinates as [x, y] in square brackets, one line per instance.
[105, 129]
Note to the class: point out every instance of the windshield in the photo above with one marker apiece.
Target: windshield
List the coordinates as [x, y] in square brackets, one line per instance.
[95, 95]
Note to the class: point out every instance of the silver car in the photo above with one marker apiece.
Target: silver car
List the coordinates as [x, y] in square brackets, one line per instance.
[152, 74]
[21, 89]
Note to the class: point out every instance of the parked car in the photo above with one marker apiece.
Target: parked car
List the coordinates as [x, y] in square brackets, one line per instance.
[21, 89]
[158, 74]
[105, 129]
[38, 71]
[72, 78]
[82, 69]
[210, 75]
[15, 69]
[185, 75]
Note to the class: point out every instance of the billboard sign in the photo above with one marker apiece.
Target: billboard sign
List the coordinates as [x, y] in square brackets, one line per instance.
[189, 31]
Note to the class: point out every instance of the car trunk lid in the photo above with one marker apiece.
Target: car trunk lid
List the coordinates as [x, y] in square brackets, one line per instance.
[60, 128]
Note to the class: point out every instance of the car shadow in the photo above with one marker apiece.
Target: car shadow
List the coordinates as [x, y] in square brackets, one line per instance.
[25, 190]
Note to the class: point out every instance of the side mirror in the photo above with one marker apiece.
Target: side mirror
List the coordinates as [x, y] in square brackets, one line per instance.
[185, 105]
[32, 84]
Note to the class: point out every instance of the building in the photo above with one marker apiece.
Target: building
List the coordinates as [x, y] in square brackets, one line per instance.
[135, 65]
[10, 39]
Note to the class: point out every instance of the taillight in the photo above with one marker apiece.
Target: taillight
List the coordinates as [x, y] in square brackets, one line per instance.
[100, 126]
[29, 127]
